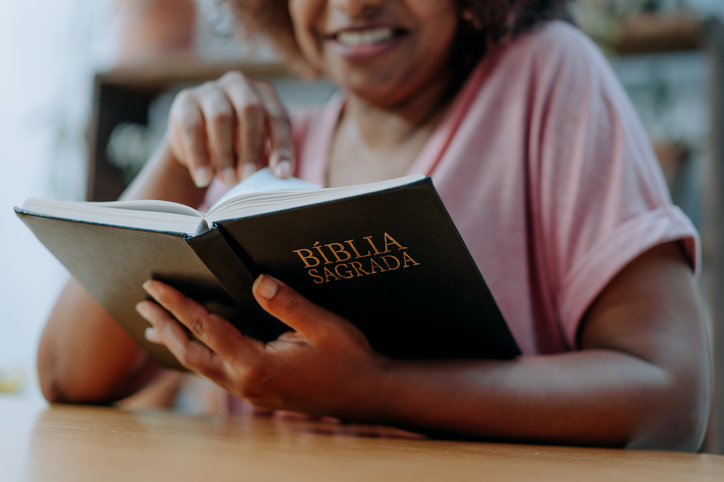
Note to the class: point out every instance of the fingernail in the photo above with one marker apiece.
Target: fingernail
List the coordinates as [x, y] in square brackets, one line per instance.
[266, 287]
[142, 309]
[152, 336]
[228, 175]
[248, 170]
[202, 177]
[151, 288]
[283, 169]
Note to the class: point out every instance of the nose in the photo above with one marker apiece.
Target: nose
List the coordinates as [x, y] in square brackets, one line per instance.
[358, 8]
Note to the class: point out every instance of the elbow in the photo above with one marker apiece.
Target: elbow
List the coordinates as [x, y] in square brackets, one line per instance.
[56, 384]
[48, 379]
[680, 419]
[64, 379]
[50, 388]
[57, 387]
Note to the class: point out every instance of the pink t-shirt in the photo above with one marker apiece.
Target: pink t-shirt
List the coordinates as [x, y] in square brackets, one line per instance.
[548, 175]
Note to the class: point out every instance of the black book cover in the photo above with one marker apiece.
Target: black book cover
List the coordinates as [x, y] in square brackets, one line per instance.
[391, 262]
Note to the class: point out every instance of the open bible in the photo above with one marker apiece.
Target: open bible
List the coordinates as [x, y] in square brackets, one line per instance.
[386, 256]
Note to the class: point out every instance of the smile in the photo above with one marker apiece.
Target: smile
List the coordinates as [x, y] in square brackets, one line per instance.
[357, 38]
[365, 43]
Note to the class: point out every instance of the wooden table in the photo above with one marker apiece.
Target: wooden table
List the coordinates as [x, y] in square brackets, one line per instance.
[67, 443]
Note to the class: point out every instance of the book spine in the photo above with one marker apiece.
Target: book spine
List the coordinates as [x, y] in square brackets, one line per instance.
[232, 270]
[213, 250]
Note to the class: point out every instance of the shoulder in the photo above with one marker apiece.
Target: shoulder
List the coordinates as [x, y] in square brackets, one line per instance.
[554, 59]
[557, 33]
[557, 68]
[557, 55]
[557, 40]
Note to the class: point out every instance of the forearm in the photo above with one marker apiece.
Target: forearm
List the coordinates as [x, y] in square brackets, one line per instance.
[84, 355]
[595, 397]
[164, 178]
[640, 379]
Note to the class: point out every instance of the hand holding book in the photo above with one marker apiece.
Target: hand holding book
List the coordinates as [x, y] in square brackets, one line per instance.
[384, 256]
[316, 367]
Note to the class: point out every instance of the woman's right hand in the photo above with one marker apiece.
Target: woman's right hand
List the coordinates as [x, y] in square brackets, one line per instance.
[229, 128]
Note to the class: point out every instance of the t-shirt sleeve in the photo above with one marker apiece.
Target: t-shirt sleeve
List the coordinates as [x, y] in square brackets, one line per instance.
[598, 197]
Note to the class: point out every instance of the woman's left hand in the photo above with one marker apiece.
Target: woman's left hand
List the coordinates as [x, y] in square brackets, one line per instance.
[324, 367]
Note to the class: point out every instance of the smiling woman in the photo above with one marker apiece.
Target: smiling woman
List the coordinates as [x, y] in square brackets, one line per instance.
[543, 166]
[483, 24]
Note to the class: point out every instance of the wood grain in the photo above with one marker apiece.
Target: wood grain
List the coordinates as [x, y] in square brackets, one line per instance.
[77, 443]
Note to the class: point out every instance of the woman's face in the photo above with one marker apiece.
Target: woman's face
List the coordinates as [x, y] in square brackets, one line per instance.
[382, 50]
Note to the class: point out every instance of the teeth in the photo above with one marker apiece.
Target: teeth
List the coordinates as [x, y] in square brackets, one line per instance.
[365, 37]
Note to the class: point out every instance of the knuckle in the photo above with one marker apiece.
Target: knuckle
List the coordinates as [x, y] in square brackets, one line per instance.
[199, 325]
[252, 110]
[233, 76]
[255, 373]
[221, 116]
[292, 305]
[207, 86]
[188, 124]
[186, 96]
[192, 132]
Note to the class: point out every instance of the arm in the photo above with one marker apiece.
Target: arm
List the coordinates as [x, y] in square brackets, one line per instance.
[84, 355]
[640, 379]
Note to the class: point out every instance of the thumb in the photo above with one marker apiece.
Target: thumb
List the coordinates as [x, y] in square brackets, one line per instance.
[292, 309]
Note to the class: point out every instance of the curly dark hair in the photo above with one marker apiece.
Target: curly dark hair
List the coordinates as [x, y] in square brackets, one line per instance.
[485, 25]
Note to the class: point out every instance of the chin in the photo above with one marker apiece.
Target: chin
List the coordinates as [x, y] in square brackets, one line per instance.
[372, 88]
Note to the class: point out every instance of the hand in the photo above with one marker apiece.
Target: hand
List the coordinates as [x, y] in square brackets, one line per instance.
[221, 128]
[324, 367]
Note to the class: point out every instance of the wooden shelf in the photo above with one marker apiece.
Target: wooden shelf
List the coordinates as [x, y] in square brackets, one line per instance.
[184, 70]
[651, 33]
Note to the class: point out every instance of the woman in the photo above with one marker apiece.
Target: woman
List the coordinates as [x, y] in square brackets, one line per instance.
[546, 172]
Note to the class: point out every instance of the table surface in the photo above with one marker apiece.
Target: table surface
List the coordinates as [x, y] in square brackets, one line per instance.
[78, 443]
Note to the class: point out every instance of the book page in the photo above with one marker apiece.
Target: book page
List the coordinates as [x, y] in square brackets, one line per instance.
[263, 180]
[151, 215]
[260, 193]
[253, 203]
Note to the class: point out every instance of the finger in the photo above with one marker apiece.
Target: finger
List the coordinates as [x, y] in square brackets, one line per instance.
[212, 330]
[189, 352]
[153, 336]
[189, 124]
[294, 310]
[281, 160]
[219, 120]
[249, 112]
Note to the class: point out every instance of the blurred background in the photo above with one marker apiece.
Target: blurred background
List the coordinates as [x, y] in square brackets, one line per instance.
[86, 86]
